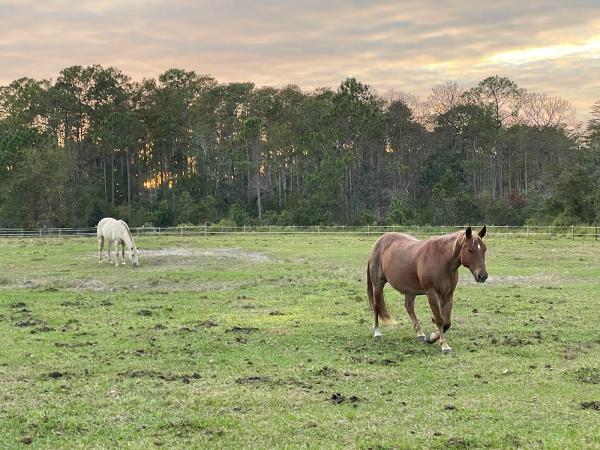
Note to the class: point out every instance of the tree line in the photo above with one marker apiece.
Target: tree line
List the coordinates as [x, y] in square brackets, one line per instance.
[185, 148]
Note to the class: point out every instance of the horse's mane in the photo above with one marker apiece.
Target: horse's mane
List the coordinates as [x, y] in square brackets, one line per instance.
[460, 236]
[128, 232]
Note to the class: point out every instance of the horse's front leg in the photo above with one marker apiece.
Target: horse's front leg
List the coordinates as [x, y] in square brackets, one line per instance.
[440, 306]
[446, 309]
[123, 254]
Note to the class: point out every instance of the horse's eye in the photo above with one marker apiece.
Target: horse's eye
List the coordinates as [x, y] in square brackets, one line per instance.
[470, 251]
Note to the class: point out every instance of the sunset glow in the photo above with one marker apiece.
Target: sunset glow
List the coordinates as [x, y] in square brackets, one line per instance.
[589, 49]
[549, 47]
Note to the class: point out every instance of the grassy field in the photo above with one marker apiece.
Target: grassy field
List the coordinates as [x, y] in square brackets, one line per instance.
[266, 342]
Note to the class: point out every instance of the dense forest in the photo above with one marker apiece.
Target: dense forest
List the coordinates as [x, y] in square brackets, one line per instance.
[185, 148]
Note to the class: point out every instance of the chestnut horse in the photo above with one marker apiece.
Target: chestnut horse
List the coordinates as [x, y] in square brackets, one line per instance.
[428, 267]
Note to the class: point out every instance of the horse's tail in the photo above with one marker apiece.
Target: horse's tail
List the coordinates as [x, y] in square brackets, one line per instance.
[377, 303]
[370, 287]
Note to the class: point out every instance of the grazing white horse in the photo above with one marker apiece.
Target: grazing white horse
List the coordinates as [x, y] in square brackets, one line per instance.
[116, 232]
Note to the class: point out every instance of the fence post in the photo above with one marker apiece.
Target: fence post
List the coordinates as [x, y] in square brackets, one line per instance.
[572, 232]
[596, 232]
[368, 230]
[205, 228]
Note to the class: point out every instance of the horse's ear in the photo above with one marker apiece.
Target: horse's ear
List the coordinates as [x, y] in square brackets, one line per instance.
[482, 232]
[468, 232]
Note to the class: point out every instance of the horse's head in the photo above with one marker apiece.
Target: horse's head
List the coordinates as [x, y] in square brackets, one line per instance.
[133, 253]
[472, 254]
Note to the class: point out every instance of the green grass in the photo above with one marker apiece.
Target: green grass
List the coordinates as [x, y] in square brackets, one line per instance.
[241, 342]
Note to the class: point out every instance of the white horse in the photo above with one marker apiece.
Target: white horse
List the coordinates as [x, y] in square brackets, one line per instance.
[117, 232]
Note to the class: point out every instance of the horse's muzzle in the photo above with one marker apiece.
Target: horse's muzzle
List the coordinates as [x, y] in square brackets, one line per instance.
[481, 277]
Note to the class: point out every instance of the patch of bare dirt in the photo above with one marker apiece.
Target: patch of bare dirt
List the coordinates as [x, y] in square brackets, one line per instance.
[593, 405]
[238, 329]
[254, 379]
[589, 375]
[56, 375]
[31, 284]
[338, 399]
[529, 280]
[165, 376]
[219, 253]
[36, 325]
[75, 344]
[91, 285]
[457, 442]
[325, 371]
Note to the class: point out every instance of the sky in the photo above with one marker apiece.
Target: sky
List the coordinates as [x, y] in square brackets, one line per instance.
[410, 46]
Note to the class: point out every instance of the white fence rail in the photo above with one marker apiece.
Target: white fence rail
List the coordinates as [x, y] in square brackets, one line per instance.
[533, 232]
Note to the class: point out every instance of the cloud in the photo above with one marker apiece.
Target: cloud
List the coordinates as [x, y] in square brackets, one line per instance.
[544, 46]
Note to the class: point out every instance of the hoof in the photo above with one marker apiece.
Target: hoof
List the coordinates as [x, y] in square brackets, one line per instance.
[422, 339]
[377, 333]
[432, 338]
[447, 350]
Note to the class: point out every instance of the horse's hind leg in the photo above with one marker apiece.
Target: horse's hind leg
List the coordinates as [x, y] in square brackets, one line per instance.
[378, 298]
[375, 283]
[100, 248]
[109, 245]
[377, 295]
[409, 303]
